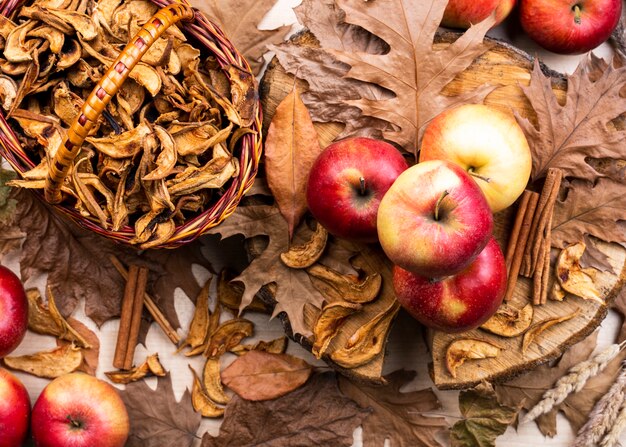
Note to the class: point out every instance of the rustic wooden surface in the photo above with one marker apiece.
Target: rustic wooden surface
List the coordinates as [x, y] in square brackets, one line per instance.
[507, 68]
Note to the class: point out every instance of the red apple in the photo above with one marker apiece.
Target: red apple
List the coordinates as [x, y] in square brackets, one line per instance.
[456, 303]
[14, 410]
[488, 144]
[569, 26]
[79, 410]
[465, 13]
[13, 311]
[434, 220]
[348, 181]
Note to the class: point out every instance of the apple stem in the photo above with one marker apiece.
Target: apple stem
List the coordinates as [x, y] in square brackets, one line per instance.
[362, 182]
[438, 204]
[577, 14]
[483, 178]
[74, 422]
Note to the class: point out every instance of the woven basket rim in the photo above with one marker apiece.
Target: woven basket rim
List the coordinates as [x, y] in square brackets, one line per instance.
[210, 37]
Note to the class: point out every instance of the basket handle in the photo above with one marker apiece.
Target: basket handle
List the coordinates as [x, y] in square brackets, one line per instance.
[107, 87]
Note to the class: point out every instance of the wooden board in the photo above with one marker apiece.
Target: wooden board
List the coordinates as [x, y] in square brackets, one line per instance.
[507, 68]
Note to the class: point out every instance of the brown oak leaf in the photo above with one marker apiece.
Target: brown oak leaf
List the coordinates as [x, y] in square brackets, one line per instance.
[594, 257]
[240, 22]
[397, 416]
[619, 305]
[293, 286]
[598, 210]
[259, 375]
[156, 419]
[315, 414]
[401, 87]
[291, 147]
[566, 135]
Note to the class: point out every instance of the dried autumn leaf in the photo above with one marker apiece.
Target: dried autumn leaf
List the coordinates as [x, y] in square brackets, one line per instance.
[240, 21]
[199, 326]
[538, 328]
[405, 64]
[329, 323]
[315, 414]
[397, 416]
[229, 294]
[575, 279]
[509, 321]
[213, 382]
[468, 349]
[259, 375]
[339, 287]
[156, 418]
[227, 336]
[291, 147]
[367, 341]
[48, 364]
[305, 255]
[201, 401]
[276, 346]
[619, 305]
[566, 135]
[484, 418]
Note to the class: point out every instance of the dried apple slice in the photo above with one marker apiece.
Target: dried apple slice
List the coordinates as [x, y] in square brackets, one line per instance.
[213, 381]
[538, 328]
[337, 287]
[468, 349]
[8, 91]
[276, 346]
[227, 336]
[199, 326]
[48, 364]
[509, 321]
[152, 366]
[229, 294]
[328, 324]
[305, 255]
[201, 401]
[575, 279]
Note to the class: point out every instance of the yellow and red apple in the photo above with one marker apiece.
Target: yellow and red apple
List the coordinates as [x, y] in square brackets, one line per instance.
[434, 219]
[456, 303]
[13, 311]
[347, 182]
[485, 142]
[79, 410]
[465, 13]
[14, 410]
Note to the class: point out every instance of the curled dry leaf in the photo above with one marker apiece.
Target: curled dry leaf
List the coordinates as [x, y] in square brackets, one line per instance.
[152, 366]
[468, 349]
[328, 324]
[276, 346]
[368, 340]
[47, 320]
[48, 364]
[213, 381]
[338, 287]
[305, 255]
[260, 375]
[538, 328]
[575, 279]
[201, 401]
[509, 321]
[199, 326]
[227, 336]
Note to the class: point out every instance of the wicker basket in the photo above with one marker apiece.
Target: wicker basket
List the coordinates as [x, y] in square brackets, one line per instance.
[248, 151]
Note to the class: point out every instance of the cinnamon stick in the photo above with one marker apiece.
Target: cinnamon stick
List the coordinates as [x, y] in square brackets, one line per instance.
[125, 318]
[135, 323]
[538, 275]
[521, 241]
[517, 226]
[152, 307]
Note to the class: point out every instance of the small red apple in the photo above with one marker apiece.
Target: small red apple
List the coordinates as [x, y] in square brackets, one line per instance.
[13, 311]
[434, 220]
[465, 13]
[14, 410]
[79, 410]
[347, 182]
[569, 26]
[456, 303]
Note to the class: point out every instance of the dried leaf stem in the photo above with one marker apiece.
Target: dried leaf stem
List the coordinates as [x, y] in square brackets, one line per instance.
[604, 414]
[573, 381]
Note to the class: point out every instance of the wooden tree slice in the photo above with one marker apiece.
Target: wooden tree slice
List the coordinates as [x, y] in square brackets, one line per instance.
[507, 68]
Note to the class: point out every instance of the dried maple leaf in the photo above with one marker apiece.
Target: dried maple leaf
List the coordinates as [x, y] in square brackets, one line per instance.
[567, 134]
[293, 287]
[316, 414]
[291, 147]
[400, 87]
[484, 418]
[598, 210]
[396, 416]
[240, 22]
[156, 419]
